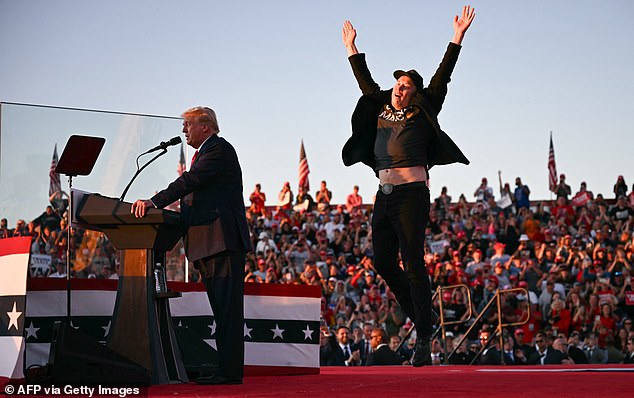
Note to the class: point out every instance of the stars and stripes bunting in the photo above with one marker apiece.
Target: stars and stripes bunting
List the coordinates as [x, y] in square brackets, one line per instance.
[281, 322]
[14, 265]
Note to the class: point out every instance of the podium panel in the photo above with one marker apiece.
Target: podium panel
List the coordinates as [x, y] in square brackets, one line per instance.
[141, 328]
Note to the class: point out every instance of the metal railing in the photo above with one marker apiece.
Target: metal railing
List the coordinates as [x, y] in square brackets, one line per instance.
[498, 332]
[440, 317]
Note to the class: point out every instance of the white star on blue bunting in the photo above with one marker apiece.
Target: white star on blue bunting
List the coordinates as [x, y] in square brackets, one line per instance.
[277, 332]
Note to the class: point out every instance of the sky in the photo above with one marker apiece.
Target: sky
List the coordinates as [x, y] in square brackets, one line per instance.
[276, 73]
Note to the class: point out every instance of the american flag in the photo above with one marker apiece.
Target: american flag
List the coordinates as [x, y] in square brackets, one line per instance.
[552, 167]
[303, 169]
[55, 184]
[181, 162]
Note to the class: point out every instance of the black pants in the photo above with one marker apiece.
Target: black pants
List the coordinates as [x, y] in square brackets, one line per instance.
[223, 276]
[398, 223]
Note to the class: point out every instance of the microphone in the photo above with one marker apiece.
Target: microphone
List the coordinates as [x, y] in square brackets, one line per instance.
[164, 145]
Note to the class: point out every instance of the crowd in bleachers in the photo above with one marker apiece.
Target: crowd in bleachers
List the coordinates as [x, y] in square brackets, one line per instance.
[573, 256]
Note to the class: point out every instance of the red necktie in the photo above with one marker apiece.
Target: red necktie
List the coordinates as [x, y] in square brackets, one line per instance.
[193, 158]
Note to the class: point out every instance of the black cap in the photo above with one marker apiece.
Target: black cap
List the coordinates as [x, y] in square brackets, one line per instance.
[412, 74]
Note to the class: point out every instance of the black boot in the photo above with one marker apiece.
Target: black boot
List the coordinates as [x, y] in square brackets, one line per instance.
[422, 352]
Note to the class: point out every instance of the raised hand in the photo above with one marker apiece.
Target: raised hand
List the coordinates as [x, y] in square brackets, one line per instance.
[348, 36]
[462, 23]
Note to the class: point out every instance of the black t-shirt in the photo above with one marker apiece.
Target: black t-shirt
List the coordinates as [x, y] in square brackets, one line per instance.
[402, 138]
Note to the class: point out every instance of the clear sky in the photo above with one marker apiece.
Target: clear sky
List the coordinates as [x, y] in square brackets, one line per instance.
[276, 73]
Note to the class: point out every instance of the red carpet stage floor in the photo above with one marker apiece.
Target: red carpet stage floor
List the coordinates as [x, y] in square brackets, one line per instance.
[438, 381]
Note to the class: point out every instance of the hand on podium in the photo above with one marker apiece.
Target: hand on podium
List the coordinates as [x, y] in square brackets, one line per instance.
[139, 208]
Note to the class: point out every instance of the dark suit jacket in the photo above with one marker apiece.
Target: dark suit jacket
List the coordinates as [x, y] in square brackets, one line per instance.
[383, 355]
[491, 356]
[577, 355]
[598, 355]
[553, 357]
[360, 147]
[212, 206]
[331, 354]
[363, 352]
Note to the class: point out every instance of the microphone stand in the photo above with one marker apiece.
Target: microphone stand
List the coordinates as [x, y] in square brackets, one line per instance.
[139, 170]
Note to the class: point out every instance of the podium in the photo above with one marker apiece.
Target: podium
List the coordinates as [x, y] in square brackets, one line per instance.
[141, 328]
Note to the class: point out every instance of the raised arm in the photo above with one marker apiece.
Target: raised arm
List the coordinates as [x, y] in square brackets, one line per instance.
[357, 61]
[461, 24]
[348, 35]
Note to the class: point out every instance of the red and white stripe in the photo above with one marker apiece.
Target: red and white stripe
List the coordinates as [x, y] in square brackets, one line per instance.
[55, 184]
[14, 265]
[303, 169]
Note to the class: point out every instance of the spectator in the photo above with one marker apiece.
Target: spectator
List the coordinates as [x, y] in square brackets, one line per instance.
[483, 192]
[621, 212]
[49, 219]
[5, 232]
[594, 353]
[60, 270]
[620, 188]
[304, 202]
[462, 355]
[521, 194]
[582, 197]
[544, 353]
[575, 348]
[59, 202]
[339, 350]
[395, 342]
[629, 356]
[21, 229]
[442, 202]
[559, 317]
[381, 353]
[285, 197]
[258, 201]
[560, 344]
[491, 353]
[562, 190]
[323, 198]
[354, 201]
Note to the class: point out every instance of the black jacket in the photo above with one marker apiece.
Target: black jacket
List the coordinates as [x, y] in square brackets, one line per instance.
[360, 147]
[383, 356]
[212, 206]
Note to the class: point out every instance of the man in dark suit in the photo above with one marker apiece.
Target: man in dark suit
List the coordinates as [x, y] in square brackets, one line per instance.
[544, 353]
[365, 344]
[340, 350]
[594, 353]
[629, 357]
[396, 133]
[381, 353]
[217, 238]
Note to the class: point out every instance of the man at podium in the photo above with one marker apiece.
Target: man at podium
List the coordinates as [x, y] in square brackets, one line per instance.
[217, 236]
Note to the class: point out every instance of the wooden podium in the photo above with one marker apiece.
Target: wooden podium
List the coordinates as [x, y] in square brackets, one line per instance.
[141, 328]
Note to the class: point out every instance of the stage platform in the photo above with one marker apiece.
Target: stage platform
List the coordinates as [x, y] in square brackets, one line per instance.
[437, 381]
